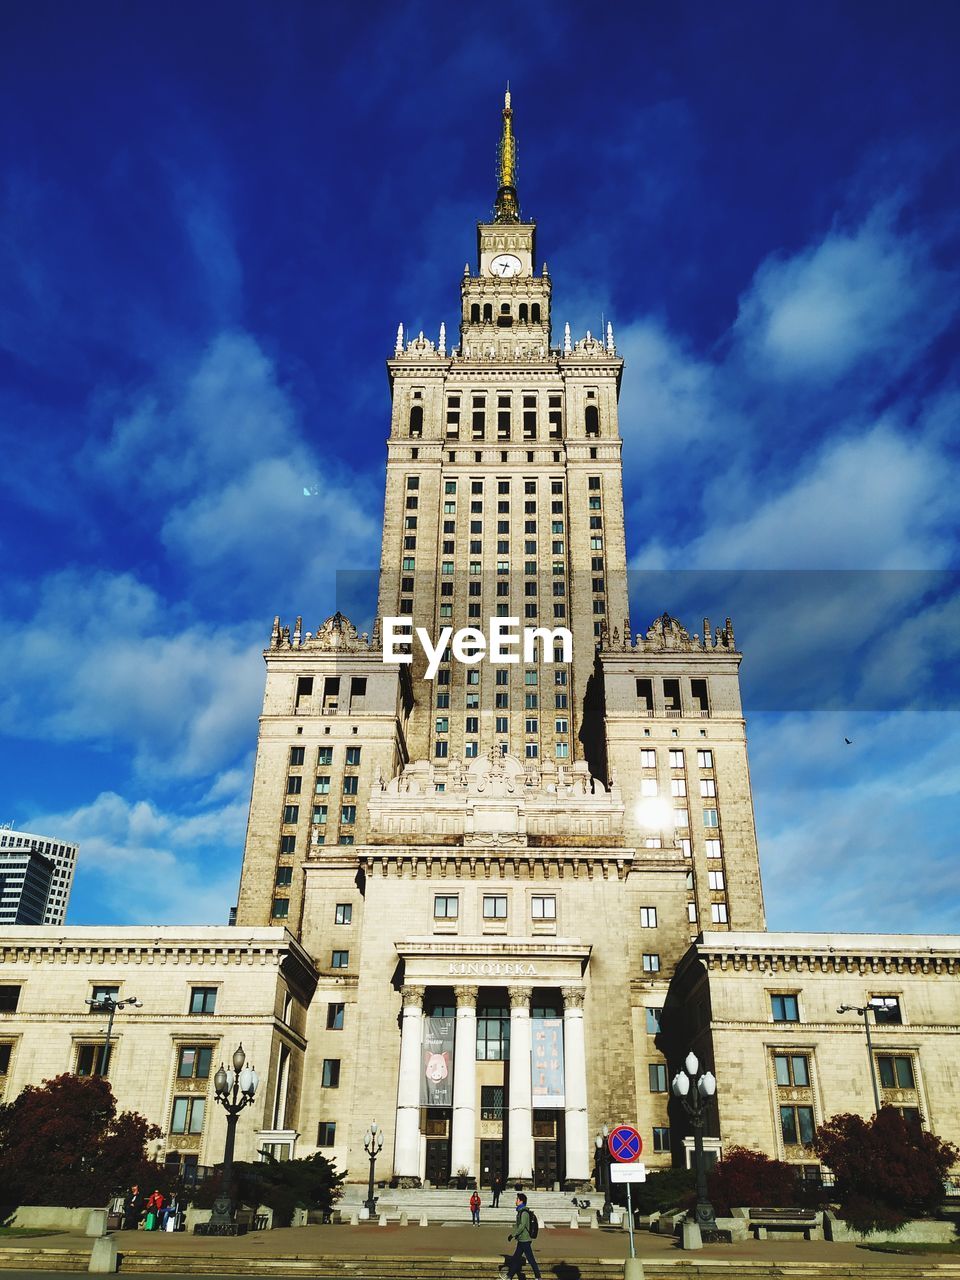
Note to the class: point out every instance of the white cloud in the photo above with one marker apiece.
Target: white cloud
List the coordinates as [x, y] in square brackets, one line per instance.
[872, 293]
[862, 839]
[150, 866]
[100, 658]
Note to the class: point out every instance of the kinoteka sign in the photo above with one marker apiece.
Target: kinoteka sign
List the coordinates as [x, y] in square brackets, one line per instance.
[492, 969]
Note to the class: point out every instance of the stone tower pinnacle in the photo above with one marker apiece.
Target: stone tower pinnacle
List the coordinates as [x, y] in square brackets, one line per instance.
[507, 207]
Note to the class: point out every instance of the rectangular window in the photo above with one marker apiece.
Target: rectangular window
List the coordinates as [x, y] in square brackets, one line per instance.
[692, 912]
[291, 813]
[323, 784]
[658, 1077]
[896, 1072]
[331, 1073]
[187, 1115]
[343, 913]
[335, 1017]
[715, 880]
[676, 759]
[325, 756]
[494, 907]
[651, 962]
[351, 784]
[886, 1010]
[704, 759]
[712, 848]
[661, 1138]
[326, 1133]
[784, 1008]
[294, 784]
[296, 755]
[340, 960]
[708, 787]
[5, 1051]
[543, 907]
[491, 1102]
[319, 815]
[678, 786]
[353, 755]
[653, 1021]
[711, 818]
[104, 993]
[280, 909]
[792, 1069]
[193, 1062]
[796, 1123]
[446, 906]
[284, 877]
[348, 814]
[648, 759]
[288, 844]
[718, 913]
[648, 917]
[90, 1059]
[203, 999]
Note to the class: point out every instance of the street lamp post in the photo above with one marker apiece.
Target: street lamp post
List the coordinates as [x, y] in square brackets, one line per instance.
[109, 1005]
[694, 1098]
[603, 1168]
[372, 1145]
[234, 1090]
[875, 1003]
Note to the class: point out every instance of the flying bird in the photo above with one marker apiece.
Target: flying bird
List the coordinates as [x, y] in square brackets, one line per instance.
[848, 741]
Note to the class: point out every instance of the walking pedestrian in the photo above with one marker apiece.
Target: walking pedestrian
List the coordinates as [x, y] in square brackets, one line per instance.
[475, 1208]
[525, 1230]
[496, 1187]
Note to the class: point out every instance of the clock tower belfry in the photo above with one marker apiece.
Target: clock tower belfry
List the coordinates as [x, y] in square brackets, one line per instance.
[505, 308]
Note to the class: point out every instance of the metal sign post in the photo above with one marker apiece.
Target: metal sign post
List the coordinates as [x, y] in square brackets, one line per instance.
[625, 1146]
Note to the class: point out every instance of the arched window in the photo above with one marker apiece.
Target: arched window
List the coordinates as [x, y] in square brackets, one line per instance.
[522, 312]
[416, 421]
[592, 420]
[475, 313]
[488, 312]
[535, 312]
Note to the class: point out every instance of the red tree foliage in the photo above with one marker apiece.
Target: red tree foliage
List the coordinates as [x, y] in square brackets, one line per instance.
[63, 1143]
[750, 1178]
[887, 1170]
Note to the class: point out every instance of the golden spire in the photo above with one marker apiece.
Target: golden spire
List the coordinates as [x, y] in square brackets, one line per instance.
[507, 207]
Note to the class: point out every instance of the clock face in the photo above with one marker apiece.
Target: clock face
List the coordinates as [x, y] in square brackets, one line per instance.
[505, 265]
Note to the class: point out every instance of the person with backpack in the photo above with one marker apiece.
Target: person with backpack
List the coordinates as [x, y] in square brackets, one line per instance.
[525, 1231]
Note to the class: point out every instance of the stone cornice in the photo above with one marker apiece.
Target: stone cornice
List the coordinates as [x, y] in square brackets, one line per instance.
[490, 948]
[438, 862]
[838, 954]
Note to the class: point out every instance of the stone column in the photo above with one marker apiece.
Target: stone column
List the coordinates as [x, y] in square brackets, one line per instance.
[406, 1151]
[520, 1147]
[575, 1087]
[464, 1083]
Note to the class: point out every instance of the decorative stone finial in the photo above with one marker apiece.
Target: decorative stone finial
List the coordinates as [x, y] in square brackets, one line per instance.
[567, 344]
[442, 345]
[610, 347]
[398, 349]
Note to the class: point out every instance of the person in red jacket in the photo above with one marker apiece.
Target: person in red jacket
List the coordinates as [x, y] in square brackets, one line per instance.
[475, 1208]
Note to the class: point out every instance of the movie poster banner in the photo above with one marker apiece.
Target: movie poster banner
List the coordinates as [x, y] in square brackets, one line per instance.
[547, 1062]
[436, 1082]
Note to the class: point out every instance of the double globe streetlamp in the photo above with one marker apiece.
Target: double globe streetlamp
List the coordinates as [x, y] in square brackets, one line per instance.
[603, 1170]
[234, 1089]
[694, 1094]
[372, 1145]
[880, 1005]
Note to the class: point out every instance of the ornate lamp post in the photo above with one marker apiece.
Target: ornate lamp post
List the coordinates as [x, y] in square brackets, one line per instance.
[235, 1089]
[109, 1005]
[372, 1145]
[877, 1003]
[694, 1096]
[603, 1170]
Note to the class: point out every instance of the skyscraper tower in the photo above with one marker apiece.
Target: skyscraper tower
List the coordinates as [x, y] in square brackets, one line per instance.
[504, 855]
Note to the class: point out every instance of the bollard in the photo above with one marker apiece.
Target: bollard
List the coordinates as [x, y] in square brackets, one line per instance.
[103, 1255]
[690, 1235]
[403, 1219]
[594, 1224]
[574, 1221]
[354, 1219]
[423, 1220]
[382, 1221]
[633, 1269]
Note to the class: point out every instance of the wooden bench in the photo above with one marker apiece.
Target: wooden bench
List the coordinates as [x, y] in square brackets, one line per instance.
[809, 1221]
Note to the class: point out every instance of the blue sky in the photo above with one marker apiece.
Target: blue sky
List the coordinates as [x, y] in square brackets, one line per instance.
[214, 217]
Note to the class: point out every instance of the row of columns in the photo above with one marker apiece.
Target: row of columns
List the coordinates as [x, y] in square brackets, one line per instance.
[520, 1128]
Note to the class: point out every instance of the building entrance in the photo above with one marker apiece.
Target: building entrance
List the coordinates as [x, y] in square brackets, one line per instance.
[546, 1163]
[438, 1161]
[491, 1161]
